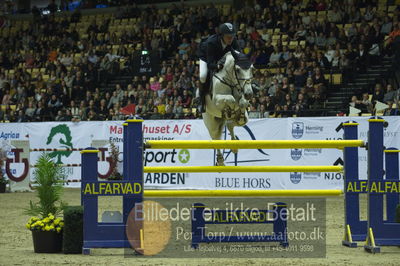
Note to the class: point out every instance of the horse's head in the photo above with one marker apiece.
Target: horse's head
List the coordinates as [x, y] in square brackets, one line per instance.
[242, 69]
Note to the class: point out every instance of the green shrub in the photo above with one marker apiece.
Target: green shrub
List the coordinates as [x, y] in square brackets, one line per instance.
[73, 230]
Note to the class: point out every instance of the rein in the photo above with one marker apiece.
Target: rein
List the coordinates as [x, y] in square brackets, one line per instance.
[246, 81]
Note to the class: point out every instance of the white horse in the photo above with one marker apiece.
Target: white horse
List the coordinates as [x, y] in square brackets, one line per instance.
[227, 104]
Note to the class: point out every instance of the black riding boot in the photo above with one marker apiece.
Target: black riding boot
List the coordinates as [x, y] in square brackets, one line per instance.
[202, 94]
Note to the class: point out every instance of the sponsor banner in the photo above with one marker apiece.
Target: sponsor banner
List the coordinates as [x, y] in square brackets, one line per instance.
[241, 181]
[81, 135]
[327, 128]
[12, 131]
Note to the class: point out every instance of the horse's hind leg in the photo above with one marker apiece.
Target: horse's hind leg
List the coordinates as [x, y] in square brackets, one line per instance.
[215, 126]
[230, 125]
[220, 158]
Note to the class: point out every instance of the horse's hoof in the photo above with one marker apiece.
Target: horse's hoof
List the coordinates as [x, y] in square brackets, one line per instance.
[218, 163]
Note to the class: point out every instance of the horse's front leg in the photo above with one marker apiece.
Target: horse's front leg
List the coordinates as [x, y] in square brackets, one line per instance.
[242, 116]
[224, 101]
[243, 103]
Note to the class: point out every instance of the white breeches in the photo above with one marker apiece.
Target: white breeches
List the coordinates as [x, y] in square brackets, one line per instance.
[203, 71]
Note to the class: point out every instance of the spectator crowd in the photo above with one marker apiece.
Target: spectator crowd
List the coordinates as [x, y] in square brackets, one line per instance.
[79, 88]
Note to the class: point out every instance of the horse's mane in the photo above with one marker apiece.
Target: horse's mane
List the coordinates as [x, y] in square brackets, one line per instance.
[240, 59]
[223, 59]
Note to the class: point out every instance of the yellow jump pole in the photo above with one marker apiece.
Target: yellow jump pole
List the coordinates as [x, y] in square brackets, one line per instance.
[232, 169]
[251, 144]
[241, 193]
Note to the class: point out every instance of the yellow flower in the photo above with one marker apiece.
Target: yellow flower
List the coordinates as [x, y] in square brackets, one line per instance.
[46, 220]
[47, 228]
[51, 217]
[61, 224]
[51, 227]
[57, 221]
[50, 214]
[58, 229]
[28, 226]
[33, 219]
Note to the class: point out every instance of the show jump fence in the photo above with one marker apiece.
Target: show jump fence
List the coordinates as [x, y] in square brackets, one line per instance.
[375, 230]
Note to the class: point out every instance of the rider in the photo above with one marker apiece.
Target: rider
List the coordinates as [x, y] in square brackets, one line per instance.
[210, 53]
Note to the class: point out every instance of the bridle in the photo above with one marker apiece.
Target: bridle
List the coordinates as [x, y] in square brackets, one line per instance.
[246, 80]
[237, 86]
[237, 79]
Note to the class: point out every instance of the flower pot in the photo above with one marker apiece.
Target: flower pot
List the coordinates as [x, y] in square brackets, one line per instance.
[47, 242]
[3, 187]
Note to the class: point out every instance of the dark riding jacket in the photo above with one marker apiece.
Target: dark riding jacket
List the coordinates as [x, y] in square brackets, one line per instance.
[211, 51]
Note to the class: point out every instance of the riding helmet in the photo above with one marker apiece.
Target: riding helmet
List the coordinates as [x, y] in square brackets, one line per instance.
[227, 28]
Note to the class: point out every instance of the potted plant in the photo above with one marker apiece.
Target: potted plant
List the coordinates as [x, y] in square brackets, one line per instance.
[115, 175]
[46, 233]
[3, 181]
[45, 226]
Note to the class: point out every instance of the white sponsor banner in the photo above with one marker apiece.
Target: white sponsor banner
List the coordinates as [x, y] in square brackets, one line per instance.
[81, 135]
